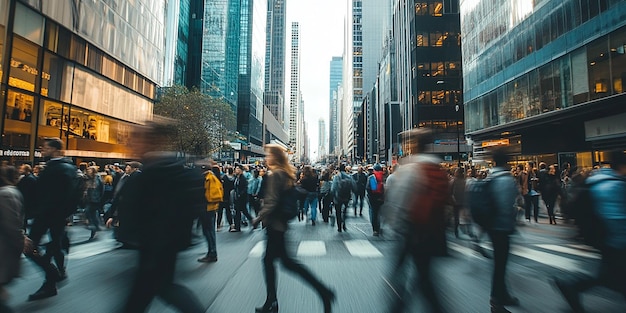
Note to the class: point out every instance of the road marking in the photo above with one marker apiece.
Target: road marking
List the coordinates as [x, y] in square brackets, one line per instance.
[362, 249]
[311, 248]
[572, 251]
[257, 250]
[464, 250]
[91, 249]
[584, 247]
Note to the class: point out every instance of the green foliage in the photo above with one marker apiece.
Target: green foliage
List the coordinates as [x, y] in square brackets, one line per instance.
[203, 121]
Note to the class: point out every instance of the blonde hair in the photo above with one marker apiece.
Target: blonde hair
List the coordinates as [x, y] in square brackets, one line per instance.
[280, 159]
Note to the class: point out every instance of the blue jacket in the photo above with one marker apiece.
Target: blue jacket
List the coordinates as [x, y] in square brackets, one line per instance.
[609, 196]
[254, 185]
[505, 192]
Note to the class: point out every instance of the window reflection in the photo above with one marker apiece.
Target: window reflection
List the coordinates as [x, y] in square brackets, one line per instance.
[18, 117]
[23, 71]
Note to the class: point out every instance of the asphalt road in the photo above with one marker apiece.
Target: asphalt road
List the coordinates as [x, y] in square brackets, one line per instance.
[354, 263]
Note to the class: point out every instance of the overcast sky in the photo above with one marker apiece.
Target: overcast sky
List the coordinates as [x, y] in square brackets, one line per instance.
[321, 38]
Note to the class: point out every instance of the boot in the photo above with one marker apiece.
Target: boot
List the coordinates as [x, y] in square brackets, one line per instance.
[268, 307]
[47, 290]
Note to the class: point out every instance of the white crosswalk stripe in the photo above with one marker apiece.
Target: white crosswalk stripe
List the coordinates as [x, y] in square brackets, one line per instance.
[258, 250]
[93, 248]
[311, 248]
[569, 250]
[317, 248]
[362, 249]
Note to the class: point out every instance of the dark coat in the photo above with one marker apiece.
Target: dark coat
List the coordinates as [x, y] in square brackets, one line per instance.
[360, 180]
[54, 189]
[28, 187]
[240, 190]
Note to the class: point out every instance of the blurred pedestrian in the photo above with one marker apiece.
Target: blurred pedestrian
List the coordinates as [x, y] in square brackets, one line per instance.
[54, 192]
[228, 183]
[254, 185]
[608, 193]
[239, 196]
[531, 197]
[27, 185]
[550, 190]
[375, 196]
[415, 206]
[12, 239]
[504, 193]
[458, 200]
[310, 183]
[163, 198]
[281, 177]
[326, 195]
[360, 180]
[342, 188]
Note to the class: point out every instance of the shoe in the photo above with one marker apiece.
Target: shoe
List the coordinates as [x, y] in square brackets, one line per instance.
[344, 227]
[313, 223]
[339, 229]
[232, 230]
[62, 276]
[570, 296]
[208, 259]
[47, 290]
[271, 307]
[93, 234]
[498, 309]
[218, 229]
[244, 223]
[376, 233]
[328, 297]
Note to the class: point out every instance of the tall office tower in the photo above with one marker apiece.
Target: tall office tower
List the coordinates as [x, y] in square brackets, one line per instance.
[82, 71]
[176, 42]
[545, 78]
[321, 137]
[251, 72]
[336, 69]
[275, 58]
[294, 97]
[220, 50]
[365, 33]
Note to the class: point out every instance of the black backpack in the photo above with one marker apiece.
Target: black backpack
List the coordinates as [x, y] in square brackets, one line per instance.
[581, 207]
[345, 187]
[479, 199]
[288, 203]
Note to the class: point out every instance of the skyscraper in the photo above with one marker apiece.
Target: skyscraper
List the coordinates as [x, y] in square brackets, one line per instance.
[321, 137]
[294, 97]
[336, 71]
[275, 58]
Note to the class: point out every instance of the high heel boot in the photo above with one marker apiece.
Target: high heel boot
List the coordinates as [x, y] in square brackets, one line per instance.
[268, 307]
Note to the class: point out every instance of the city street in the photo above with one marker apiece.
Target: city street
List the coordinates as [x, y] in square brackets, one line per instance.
[354, 263]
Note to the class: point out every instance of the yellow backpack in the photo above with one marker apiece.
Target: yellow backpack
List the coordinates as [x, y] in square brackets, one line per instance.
[213, 190]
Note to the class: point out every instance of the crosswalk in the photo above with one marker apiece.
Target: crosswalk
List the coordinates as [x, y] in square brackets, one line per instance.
[362, 249]
[567, 257]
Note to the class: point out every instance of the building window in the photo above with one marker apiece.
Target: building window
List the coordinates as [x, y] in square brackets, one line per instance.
[24, 70]
[29, 24]
[421, 8]
[599, 69]
[436, 8]
[17, 120]
[618, 60]
[422, 40]
[436, 39]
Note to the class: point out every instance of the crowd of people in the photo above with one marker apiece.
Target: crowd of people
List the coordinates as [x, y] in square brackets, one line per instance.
[416, 198]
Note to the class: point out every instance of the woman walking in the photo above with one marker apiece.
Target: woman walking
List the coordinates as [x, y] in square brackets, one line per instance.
[93, 199]
[550, 191]
[281, 177]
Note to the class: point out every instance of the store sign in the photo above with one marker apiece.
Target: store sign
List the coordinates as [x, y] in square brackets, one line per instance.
[493, 143]
[14, 153]
[235, 145]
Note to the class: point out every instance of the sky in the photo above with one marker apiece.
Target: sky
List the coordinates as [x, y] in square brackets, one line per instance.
[321, 38]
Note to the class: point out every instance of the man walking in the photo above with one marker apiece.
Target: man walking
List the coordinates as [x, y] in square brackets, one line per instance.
[376, 196]
[54, 191]
[342, 188]
[360, 179]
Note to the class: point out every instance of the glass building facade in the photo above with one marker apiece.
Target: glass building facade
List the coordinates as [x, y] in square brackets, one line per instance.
[275, 46]
[541, 75]
[336, 76]
[84, 71]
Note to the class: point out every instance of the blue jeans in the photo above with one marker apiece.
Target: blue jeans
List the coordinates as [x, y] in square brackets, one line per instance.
[208, 229]
[311, 202]
[91, 212]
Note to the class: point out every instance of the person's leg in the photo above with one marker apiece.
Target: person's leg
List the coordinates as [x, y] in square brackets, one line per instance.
[535, 200]
[220, 213]
[422, 262]
[175, 295]
[272, 251]
[375, 217]
[325, 208]
[148, 281]
[92, 216]
[499, 292]
[457, 213]
[527, 206]
[313, 206]
[338, 214]
[237, 217]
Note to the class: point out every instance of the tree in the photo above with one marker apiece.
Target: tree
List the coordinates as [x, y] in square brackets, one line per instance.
[203, 122]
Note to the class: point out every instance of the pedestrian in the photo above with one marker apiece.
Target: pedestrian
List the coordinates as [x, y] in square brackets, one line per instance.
[416, 207]
[550, 190]
[531, 198]
[163, 197]
[342, 188]
[281, 177]
[310, 183]
[608, 193]
[228, 183]
[458, 199]
[93, 199]
[254, 185]
[504, 192]
[27, 185]
[376, 196]
[326, 195]
[239, 196]
[120, 214]
[12, 239]
[214, 194]
[54, 189]
[360, 180]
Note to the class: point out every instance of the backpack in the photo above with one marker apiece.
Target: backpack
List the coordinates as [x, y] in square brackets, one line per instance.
[430, 208]
[345, 187]
[376, 185]
[479, 200]
[288, 203]
[581, 207]
[78, 186]
[214, 191]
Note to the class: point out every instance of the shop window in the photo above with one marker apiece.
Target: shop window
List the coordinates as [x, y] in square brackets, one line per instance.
[17, 121]
[53, 120]
[618, 59]
[19, 107]
[24, 71]
[1, 48]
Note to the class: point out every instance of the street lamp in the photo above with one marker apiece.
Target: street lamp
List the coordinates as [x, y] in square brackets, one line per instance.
[458, 142]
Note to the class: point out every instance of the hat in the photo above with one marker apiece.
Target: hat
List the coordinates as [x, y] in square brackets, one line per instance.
[378, 167]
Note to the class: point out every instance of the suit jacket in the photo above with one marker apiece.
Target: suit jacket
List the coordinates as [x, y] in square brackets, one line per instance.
[54, 189]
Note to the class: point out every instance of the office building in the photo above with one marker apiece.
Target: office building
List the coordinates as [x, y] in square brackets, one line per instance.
[275, 58]
[336, 71]
[84, 71]
[294, 87]
[545, 78]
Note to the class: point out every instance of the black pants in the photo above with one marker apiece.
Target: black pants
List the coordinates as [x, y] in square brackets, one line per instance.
[240, 208]
[550, 201]
[340, 212]
[275, 249]
[501, 246]
[531, 201]
[418, 250]
[357, 196]
[224, 206]
[155, 276]
[53, 249]
[326, 207]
